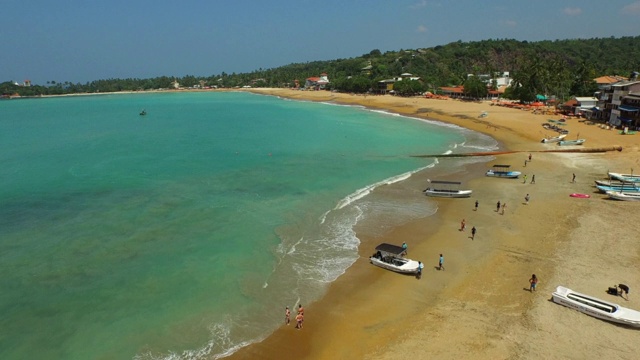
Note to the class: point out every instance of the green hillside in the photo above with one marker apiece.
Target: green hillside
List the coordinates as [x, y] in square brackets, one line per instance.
[561, 67]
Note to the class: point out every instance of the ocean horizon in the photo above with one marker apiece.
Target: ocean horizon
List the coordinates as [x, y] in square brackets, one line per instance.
[183, 234]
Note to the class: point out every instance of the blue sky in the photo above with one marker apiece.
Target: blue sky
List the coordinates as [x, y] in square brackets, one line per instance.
[84, 40]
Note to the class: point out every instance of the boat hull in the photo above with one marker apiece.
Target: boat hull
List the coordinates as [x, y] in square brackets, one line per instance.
[449, 193]
[595, 307]
[399, 265]
[504, 174]
[571, 142]
[624, 188]
[553, 139]
[625, 177]
[624, 196]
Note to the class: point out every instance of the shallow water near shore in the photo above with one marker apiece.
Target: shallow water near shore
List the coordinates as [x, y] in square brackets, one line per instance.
[185, 232]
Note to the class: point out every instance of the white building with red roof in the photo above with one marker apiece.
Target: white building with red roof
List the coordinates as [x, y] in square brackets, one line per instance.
[317, 83]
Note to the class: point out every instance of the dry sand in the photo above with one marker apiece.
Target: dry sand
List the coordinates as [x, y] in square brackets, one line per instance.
[480, 306]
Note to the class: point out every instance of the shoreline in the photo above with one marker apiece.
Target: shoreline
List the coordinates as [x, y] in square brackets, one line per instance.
[356, 321]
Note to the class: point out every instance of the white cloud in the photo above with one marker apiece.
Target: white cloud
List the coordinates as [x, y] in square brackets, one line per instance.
[422, 29]
[511, 23]
[633, 8]
[572, 11]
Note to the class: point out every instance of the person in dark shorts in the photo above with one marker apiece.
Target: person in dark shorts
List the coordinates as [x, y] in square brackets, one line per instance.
[624, 290]
[533, 283]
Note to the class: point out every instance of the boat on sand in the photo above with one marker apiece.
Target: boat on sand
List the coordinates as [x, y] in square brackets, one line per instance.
[571, 142]
[448, 189]
[554, 139]
[503, 172]
[624, 177]
[595, 307]
[390, 257]
[625, 196]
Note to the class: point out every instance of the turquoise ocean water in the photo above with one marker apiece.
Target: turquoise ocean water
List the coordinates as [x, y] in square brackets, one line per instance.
[182, 234]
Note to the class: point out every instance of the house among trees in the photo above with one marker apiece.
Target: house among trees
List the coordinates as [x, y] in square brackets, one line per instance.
[386, 86]
[317, 83]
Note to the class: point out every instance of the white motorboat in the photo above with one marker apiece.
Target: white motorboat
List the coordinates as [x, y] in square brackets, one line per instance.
[624, 177]
[390, 257]
[448, 189]
[571, 142]
[503, 172]
[625, 196]
[554, 139]
[595, 307]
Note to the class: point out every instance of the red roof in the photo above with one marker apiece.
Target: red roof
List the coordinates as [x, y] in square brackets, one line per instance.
[313, 78]
[455, 89]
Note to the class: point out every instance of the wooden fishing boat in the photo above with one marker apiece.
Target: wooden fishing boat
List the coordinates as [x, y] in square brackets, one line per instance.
[625, 187]
[625, 196]
[503, 172]
[388, 256]
[554, 139]
[571, 142]
[624, 177]
[448, 189]
[595, 307]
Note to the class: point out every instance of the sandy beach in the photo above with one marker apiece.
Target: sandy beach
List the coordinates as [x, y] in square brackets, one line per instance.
[480, 307]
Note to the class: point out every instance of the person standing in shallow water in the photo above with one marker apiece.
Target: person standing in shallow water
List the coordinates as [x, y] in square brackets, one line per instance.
[287, 316]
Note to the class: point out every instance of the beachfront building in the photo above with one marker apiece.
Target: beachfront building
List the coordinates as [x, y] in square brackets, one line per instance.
[630, 110]
[452, 91]
[604, 81]
[317, 83]
[610, 98]
[386, 86]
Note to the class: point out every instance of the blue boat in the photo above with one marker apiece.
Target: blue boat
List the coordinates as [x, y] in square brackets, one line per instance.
[625, 187]
[503, 172]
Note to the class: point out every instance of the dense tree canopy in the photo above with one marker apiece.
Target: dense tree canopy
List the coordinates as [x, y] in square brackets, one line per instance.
[562, 68]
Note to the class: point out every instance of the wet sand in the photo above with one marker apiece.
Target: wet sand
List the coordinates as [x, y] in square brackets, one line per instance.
[480, 306]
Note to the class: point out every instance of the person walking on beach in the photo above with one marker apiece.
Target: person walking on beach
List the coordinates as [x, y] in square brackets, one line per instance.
[287, 316]
[504, 205]
[573, 179]
[533, 179]
[462, 225]
[498, 206]
[525, 179]
[405, 247]
[533, 282]
[476, 208]
[420, 267]
[473, 233]
[300, 310]
[529, 157]
[441, 263]
[526, 199]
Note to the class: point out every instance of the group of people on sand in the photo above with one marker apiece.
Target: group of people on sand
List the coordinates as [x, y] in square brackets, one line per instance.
[299, 317]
